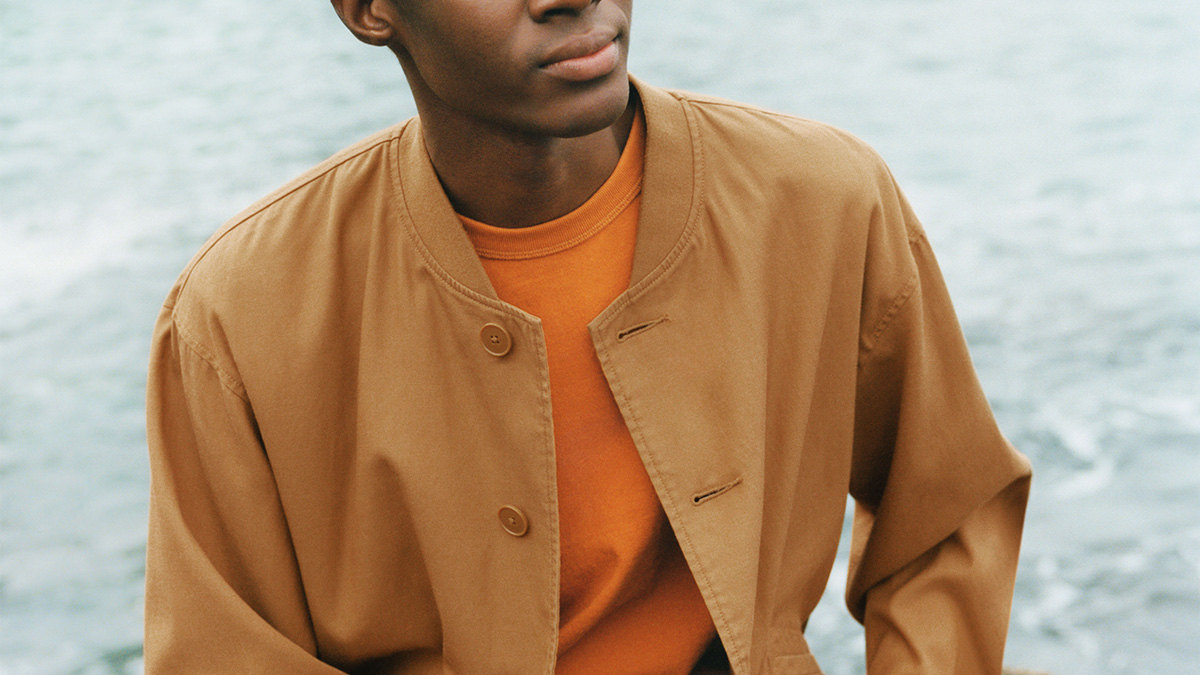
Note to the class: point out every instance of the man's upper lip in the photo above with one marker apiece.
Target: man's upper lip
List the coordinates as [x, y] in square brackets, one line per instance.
[576, 46]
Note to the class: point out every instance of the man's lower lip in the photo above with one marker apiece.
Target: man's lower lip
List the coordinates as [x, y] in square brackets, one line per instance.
[584, 68]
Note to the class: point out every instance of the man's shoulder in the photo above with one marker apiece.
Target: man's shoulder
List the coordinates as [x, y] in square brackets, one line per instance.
[303, 202]
[716, 114]
[278, 233]
[734, 135]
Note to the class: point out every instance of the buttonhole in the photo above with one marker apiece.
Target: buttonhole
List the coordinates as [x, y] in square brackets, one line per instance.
[702, 497]
[640, 328]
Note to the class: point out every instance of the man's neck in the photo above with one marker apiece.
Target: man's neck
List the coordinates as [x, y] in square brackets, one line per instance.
[514, 180]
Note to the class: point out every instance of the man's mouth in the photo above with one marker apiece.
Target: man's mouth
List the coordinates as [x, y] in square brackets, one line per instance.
[582, 58]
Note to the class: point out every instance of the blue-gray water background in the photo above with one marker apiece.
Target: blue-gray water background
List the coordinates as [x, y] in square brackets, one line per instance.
[1051, 147]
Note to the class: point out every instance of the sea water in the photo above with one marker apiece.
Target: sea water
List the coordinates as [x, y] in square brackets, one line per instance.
[1051, 148]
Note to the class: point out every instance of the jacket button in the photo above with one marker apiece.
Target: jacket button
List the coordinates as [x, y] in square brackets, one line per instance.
[513, 521]
[495, 339]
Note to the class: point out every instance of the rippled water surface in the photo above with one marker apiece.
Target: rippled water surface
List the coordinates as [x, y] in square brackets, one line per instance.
[1051, 147]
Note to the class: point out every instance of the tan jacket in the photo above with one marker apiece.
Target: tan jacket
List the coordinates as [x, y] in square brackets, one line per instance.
[332, 444]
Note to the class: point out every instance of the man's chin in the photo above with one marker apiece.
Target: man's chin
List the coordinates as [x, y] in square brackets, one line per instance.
[588, 112]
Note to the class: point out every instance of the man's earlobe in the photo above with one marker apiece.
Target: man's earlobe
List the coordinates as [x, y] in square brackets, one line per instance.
[372, 21]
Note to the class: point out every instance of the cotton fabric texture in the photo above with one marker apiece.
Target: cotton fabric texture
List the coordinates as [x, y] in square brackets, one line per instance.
[330, 442]
[622, 576]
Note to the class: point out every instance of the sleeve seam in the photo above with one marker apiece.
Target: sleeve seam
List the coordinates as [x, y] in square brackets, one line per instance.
[898, 303]
[228, 381]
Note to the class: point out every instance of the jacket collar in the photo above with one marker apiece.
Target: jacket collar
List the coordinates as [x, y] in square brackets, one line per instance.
[669, 196]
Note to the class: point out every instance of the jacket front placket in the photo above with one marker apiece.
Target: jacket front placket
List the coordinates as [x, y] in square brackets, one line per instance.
[513, 572]
[656, 348]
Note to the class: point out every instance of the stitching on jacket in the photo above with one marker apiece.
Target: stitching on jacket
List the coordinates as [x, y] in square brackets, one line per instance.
[700, 101]
[550, 504]
[455, 285]
[701, 497]
[427, 256]
[228, 381]
[687, 238]
[335, 162]
[681, 534]
[885, 321]
[691, 238]
[640, 328]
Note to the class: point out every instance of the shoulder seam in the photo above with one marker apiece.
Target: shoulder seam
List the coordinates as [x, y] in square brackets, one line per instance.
[274, 198]
[746, 107]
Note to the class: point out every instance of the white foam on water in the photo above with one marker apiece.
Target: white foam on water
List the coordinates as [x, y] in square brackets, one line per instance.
[1182, 412]
[1088, 482]
[38, 263]
[1080, 437]
[1080, 433]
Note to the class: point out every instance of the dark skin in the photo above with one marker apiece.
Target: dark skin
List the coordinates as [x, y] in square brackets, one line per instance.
[525, 104]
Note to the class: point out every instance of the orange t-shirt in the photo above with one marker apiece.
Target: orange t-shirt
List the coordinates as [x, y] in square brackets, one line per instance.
[628, 602]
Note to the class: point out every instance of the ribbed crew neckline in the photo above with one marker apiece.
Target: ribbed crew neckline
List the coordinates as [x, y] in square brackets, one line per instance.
[523, 243]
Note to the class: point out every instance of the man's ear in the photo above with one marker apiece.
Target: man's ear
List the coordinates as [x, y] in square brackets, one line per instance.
[375, 22]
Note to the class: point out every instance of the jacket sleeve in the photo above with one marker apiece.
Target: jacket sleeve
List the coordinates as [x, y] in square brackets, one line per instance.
[223, 590]
[940, 494]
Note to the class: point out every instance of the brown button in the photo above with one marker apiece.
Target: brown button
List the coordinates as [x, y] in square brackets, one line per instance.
[514, 522]
[495, 339]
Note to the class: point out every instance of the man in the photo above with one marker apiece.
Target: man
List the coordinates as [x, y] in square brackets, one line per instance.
[569, 374]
